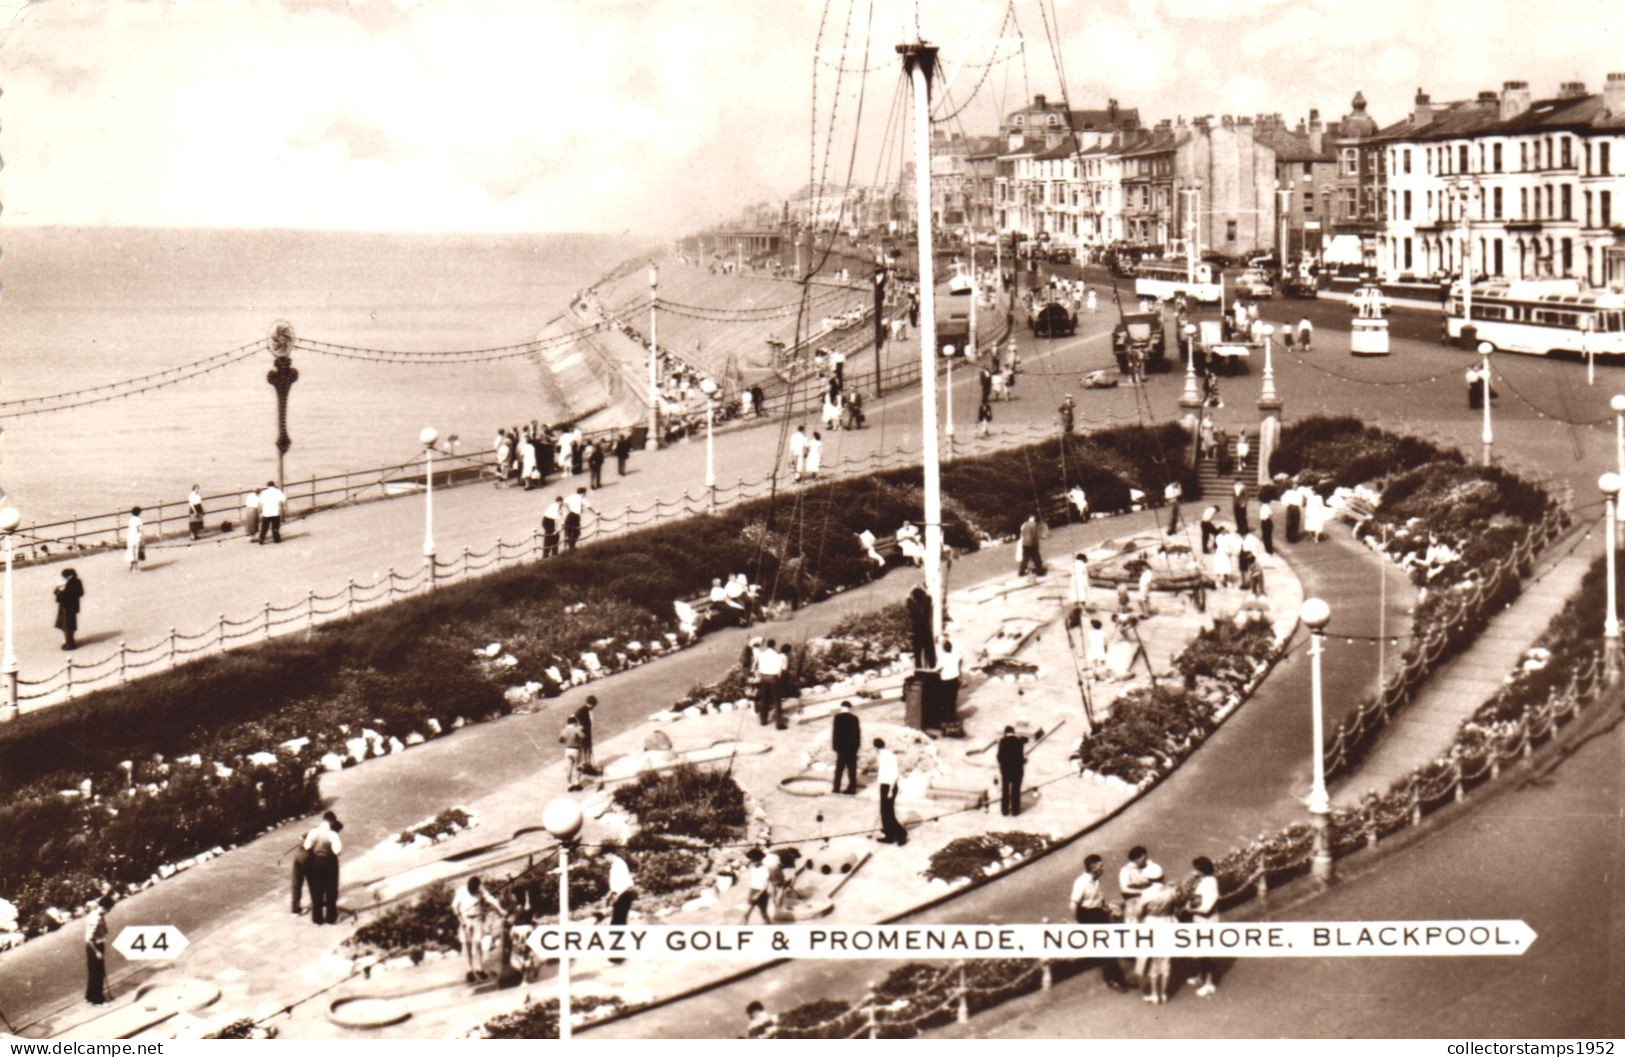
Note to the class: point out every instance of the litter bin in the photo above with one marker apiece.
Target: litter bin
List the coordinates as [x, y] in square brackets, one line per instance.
[640, 437]
[921, 693]
[1469, 337]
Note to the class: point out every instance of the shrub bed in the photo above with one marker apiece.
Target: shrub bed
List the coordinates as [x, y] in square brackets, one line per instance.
[540, 1020]
[260, 721]
[969, 858]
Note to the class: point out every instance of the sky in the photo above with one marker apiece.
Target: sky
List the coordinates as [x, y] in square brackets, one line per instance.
[655, 116]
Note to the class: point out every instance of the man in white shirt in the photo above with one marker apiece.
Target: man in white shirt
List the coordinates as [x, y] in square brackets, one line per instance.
[948, 672]
[552, 521]
[891, 831]
[271, 502]
[759, 893]
[1132, 881]
[469, 905]
[1204, 911]
[574, 505]
[770, 664]
[737, 594]
[1089, 908]
[798, 451]
[622, 893]
[325, 847]
[251, 515]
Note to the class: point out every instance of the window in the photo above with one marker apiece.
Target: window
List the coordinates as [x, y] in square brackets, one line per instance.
[1351, 161]
[1568, 158]
[1587, 197]
[1407, 205]
[1229, 231]
[1523, 203]
[1407, 254]
[1568, 200]
[1308, 201]
[1021, 119]
[1602, 159]
[1351, 203]
[1568, 256]
[1462, 157]
[1407, 159]
[1605, 209]
[1523, 156]
[1496, 157]
[1588, 169]
[1309, 168]
[1497, 194]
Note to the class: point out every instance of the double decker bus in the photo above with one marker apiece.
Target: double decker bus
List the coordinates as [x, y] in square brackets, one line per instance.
[1167, 278]
[1540, 320]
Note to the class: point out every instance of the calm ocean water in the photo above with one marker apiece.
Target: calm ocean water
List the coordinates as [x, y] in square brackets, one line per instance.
[82, 307]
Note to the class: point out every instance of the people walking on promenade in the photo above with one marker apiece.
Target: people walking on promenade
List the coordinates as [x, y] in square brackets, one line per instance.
[918, 606]
[1159, 905]
[813, 461]
[798, 451]
[469, 905]
[301, 878]
[1089, 908]
[1133, 879]
[1306, 333]
[552, 523]
[1204, 909]
[622, 893]
[770, 665]
[759, 887]
[194, 512]
[251, 515]
[1027, 548]
[571, 738]
[578, 450]
[96, 953]
[69, 594]
[574, 506]
[135, 545]
[325, 847]
[272, 500]
[984, 418]
[1266, 523]
[948, 671]
[583, 717]
[623, 451]
[846, 737]
[1238, 505]
[891, 831]
[1012, 756]
[529, 466]
[595, 464]
[1314, 516]
[1068, 415]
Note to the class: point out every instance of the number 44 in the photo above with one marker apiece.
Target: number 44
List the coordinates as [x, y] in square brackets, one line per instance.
[150, 942]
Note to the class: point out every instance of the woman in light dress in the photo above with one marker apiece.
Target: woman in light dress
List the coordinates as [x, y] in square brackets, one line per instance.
[1223, 566]
[1159, 905]
[134, 546]
[1314, 516]
[1080, 579]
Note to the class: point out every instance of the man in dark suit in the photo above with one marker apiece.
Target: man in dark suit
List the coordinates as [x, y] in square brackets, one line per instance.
[847, 736]
[623, 451]
[1012, 762]
[584, 720]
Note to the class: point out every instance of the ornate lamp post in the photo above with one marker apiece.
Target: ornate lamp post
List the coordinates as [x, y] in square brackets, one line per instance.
[948, 426]
[1283, 194]
[1610, 485]
[653, 441]
[1190, 401]
[709, 388]
[282, 375]
[1484, 350]
[427, 438]
[562, 818]
[1618, 404]
[1316, 614]
[10, 518]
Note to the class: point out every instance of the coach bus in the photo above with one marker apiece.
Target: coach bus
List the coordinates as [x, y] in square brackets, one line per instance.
[1166, 279]
[1541, 322]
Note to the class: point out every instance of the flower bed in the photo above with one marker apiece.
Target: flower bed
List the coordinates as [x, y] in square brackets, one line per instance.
[970, 858]
[448, 823]
[261, 722]
[541, 1019]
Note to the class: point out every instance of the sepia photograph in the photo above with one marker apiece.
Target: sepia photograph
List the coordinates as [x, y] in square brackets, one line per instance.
[812, 519]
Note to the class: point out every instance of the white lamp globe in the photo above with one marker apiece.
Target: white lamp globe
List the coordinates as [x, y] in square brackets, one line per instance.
[1609, 483]
[1485, 348]
[428, 436]
[1618, 403]
[562, 818]
[1316, 613]
[10, 518]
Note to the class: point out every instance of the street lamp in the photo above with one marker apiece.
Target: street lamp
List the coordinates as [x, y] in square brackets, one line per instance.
[948, 430]
[653, 441]
[1463, 194]
[1484, 350]
[1610, 485]
[9, 520]
[1267, 394]
[1618, 404]
[1283, 194]
[1316, 614]
[427, 438]
[562, 818]
[709, 388]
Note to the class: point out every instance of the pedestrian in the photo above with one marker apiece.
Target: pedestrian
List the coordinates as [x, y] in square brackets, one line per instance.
[948, 672]
[1012, 757]
[1238, 505]
[322, 868]
[1089, 908]
[918, 606]
[1206, 432]
[1204, 908]
[69, 594]
[1210, 530]
[1159, 905]
[583, 717]
[251, 514]
[1243, 451]
[1027, 549]
[571, 738]
[135, 545]
[758, 401]
[623, 452]
[846, 737]
[622, 893]
[1095, 652]
[985, 376]
[1067, 415]
[1475, 389]
[1225, 463]
[1078, 588]
[798, 451]
[529, 462]
[1306, 333]
[814, 458]
[1286, 338]
[574, 506]
[1172, 493]
[194, 512]
[891, 831]
[1266, 523]
[1144, 591]
[1292, 500]
[913, 310]
[759, 892]
[1314, 516]
[578, 450]
[469, 905]
[984, 418]
[595, 464]
[96, 952]
[552, 521]
[272, 500]
[770, 665]
[1132, 881]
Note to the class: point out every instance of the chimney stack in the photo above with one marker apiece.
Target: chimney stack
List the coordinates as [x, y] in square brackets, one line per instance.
[1515, 99]
[1422, 108]
[1038, 102]
[1317, 130]
[1613, 94]
[1572, 90]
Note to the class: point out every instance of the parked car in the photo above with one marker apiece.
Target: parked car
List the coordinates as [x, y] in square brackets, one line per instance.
[1061, 255]
[1142, 331]
[1221, 260]
[1051, 320]
[1299, 288]
[1255, 283]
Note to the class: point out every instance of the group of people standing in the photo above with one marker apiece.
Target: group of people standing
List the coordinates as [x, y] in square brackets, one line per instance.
[530, 454]
[1147, 896]
[806, 453]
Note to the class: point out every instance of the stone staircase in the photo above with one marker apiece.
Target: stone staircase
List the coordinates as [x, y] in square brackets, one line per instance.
[1216, 490]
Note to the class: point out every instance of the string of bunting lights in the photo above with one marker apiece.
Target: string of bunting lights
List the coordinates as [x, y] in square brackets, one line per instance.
[121, 393]
[173, 374]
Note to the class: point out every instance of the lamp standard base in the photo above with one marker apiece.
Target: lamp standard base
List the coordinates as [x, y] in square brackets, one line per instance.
[1321, 866]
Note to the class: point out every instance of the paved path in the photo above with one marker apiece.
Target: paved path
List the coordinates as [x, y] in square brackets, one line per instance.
[1426, 726]
[1551, 853]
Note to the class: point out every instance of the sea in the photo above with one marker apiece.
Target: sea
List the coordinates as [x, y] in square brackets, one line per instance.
[81, 307]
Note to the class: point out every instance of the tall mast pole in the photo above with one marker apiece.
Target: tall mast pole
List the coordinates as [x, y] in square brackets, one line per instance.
[920, 62]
